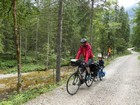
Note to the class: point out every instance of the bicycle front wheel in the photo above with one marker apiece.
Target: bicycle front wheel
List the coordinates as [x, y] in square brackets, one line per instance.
[72, 85]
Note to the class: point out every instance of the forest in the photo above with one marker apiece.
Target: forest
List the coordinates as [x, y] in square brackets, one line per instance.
[37, 35]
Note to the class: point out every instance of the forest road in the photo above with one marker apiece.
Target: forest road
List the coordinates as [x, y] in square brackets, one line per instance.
[121, 86]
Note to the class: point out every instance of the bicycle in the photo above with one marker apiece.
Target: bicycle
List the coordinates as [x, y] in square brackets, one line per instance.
[75, 79]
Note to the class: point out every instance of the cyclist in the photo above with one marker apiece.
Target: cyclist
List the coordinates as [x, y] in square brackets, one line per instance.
[86, 51]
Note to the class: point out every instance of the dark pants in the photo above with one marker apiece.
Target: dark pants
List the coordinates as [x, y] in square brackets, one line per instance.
[90, 61]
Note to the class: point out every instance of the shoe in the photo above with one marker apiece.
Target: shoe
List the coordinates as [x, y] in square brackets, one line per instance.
[81, 82]
[94, 79]
[100, 79]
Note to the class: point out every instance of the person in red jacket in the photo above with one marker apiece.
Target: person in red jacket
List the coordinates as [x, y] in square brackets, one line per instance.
[86, 51]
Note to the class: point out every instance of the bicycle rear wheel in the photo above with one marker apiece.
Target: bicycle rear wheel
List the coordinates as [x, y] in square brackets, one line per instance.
[72, 85]
[89, 80]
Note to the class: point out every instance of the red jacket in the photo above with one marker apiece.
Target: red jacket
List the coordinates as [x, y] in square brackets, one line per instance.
[86, 51]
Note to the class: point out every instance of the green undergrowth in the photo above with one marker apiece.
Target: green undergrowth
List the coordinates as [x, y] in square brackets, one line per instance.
[27, 68]
[33, 92]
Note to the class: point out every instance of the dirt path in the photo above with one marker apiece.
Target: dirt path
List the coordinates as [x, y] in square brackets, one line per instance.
[121, 86]
[10, 75]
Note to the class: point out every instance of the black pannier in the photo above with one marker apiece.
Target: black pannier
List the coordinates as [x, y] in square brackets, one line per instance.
[75, 62]
[94, 67]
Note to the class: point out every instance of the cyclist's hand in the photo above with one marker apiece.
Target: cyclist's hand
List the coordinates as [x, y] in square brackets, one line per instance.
[84, 63]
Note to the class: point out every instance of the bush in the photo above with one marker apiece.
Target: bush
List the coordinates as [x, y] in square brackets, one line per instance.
[27, 68]
[4, 64]
[28, 60]
[6, 103]
[139, 57]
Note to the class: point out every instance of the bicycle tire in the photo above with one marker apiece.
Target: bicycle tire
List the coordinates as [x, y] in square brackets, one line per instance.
[89, 82]
[72, 85]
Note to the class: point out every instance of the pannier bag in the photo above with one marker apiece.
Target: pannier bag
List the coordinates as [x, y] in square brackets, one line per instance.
[94, 67]
[75, 62]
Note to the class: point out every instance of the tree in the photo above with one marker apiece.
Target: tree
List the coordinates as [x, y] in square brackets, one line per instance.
[122, 33]
[1, 44]
[91, 22]
[59, 40]
[136, 35]
[17, 45]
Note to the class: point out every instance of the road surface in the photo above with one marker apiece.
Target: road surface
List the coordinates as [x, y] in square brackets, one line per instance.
[121, 86]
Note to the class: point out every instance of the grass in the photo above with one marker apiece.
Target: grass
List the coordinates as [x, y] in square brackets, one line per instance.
[33, 92]
[138, 57]
[8, 66]
[27, 68]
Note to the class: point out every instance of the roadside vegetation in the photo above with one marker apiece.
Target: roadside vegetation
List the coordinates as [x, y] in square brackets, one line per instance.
[139, 57]
[19, 99]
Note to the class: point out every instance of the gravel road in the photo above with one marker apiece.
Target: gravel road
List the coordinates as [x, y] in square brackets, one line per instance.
[121, 86]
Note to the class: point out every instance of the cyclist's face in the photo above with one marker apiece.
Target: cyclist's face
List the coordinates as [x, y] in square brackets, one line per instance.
[83, 44]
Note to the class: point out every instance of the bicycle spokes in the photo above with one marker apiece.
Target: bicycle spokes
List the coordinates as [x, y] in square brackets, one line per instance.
[73, 84]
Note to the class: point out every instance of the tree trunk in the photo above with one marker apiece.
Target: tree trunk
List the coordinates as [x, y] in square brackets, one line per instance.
[36, 46]
[26, 43]
[48, 44]
[59, 41]
[37, 30]
[19, 85]
[49, 26]
[91, 23]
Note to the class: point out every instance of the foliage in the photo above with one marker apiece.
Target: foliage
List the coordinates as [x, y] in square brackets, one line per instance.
[4, 64]
[1, 44]
[139, 57]
[121, 45]
[27, 68]
[136, 34]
